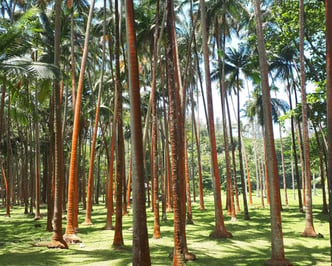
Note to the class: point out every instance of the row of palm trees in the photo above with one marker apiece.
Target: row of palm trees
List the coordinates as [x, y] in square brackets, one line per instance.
[79, 44]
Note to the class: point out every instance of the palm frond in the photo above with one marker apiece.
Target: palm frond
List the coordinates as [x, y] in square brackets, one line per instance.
[25, 67]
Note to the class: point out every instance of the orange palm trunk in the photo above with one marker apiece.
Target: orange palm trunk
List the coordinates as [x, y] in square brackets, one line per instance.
[70, 235]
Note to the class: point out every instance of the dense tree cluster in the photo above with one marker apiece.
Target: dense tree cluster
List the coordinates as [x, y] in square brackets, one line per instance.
[116, 101]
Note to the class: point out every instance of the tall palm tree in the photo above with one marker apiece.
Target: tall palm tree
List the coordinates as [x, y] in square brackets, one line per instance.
[328, 14]
[278, 256]
[141, 254]
[88, 220]
[70, 235]
[282, 64]
[237, 61]
[176, 136]
[220, 229]
[154, 127]
[57, 238]
[120, 167]
[309, 225]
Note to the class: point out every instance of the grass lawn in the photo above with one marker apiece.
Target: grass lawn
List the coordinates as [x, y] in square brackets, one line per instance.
[250, 244]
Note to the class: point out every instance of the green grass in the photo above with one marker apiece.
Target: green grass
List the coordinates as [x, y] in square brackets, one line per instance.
[250, 244]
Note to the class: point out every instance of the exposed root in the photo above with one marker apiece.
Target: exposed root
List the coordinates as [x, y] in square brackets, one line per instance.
[58, 244]
[72, 238]
[189, 256]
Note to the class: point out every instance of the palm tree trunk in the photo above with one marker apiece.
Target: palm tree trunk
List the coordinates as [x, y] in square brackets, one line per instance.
[297, 175]
[239, 137]
[283, 166]
[220, 229]
[154, 132]
[322, 172]
[141, 254]
[278, 256]
[237, 208]
[309, 224]
[118, 237]
[110, 204]
[200, 176]
[166, 152]
[189, 209]
[9, 177]
[328, 13]
[248, 173]
[50, 199]
[57, 239]
[37, 164]
[129, 182]
[176, 137]
[88, 220]
[70, 235]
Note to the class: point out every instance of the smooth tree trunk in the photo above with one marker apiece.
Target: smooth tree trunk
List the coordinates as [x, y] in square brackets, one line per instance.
[37, 164]
[328, 14]
[283, 167]
[277, 253]
[9, 155]
[176, 136]
[297, 174]
[70, 235]
[50, 158]
[141, 253]
[309, 224]
[322, 171]
[88, 220]
[118, 236]
[154, 136]
[57, 238]
[231, 142]
[189, 219]
[220, 229]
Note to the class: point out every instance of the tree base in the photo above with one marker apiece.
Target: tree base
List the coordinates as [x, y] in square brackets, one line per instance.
[221, 234]
[156, 236]
[87, 222]
[169, 210]
[309, 231]
[189, 221]
[58, 244]
[309, 234]
[278, 262]
[109, 227]
[189, 256]
[72, 238]
[118, 246]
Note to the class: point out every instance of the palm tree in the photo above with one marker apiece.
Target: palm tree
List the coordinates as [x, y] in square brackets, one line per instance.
[328, 13]
[120, 167]
[220, 229]
[154, 132]
[94, 137]
[57, 239]
[278, 256]
[237, 61]
[141, 254]
[282, 64]
[176, 136]
[309, 226]
[70, 235]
